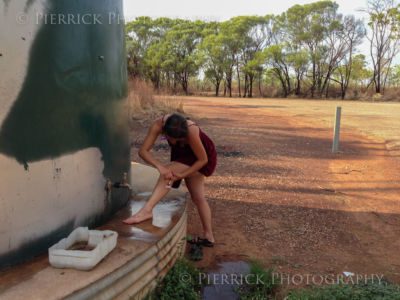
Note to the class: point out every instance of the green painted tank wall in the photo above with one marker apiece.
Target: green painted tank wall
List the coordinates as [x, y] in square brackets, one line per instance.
[71, 99]
[75, 80]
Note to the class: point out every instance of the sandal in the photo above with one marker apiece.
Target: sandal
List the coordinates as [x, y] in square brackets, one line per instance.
[200, 241]
[205, 242]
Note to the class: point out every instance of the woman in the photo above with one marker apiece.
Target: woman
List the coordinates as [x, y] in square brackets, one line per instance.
[193, 157]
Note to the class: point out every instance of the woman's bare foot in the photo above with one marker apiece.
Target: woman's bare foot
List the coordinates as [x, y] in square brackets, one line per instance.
[140, 216]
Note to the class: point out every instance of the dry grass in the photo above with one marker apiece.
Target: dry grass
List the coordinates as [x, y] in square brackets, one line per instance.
[391, 94]
[143, 104]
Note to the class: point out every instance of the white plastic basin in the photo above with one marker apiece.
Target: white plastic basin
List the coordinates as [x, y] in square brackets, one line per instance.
[101, 243]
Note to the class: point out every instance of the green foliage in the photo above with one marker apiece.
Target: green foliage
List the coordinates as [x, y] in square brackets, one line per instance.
[181, 283]
[384, 38]
[308, 24]
[360, 72]
[306, 49]
[362, 291]
[394, 76]
[260, 284]
[214, 58]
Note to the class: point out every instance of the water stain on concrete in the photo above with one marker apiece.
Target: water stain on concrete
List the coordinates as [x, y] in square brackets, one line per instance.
[165, 214]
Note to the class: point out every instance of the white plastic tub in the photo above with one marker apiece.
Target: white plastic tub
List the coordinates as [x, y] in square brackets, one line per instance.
[101, 243]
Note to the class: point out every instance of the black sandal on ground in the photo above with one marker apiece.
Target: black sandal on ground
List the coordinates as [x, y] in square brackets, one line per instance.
[200, 241]
[205, 242]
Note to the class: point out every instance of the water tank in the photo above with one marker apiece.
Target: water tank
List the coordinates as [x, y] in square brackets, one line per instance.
[63, 130]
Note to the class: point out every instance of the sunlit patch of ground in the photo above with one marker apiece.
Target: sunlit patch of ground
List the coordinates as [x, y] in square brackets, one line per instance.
[286, 199]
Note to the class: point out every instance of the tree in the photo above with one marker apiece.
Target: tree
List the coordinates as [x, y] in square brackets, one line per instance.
[316, 27]
[306, 50]
[138, 39]
[298, 58]
[214, 57]
[287, 58]
[231, 37]
[142, 35]
[153, 60]
[353, 32]
[277, 58]
[360, 74]
[383, 39]
[394, 76]
[181, 56]
[253, 68]
[256, 32]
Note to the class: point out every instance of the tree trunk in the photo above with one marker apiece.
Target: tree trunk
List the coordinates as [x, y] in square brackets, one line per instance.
[238, 75]
[217, 83]
[229, 85]
[175, 84]
[378, 82]
[283, 83]
[245, 85]
[251, 86]
[327, 90]
[343, 94]
[313, 80]
[185, 82]
[225, 88]
[298, 85]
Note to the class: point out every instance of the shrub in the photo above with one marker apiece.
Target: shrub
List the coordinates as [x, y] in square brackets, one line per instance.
[142, 103]
[181, 282]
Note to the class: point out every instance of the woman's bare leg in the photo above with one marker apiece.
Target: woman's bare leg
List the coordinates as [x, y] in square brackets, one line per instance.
[159, 191]
[195, 185]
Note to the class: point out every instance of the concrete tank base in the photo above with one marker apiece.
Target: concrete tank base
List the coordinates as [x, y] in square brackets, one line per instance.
[144, 253]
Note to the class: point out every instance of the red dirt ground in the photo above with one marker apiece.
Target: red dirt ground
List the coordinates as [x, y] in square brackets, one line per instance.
[287, 200]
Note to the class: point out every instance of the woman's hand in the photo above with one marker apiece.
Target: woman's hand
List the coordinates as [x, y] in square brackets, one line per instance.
[166, 173]
[177, 176]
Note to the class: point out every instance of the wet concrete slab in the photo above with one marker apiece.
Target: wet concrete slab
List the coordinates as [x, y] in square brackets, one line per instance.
[36, 279]
[165, 214]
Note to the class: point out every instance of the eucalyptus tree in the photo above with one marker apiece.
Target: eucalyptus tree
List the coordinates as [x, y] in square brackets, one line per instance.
[257, 34]
[353, 32]
[286, 57]
[234, 32]
[334, 50]
[299, 60]
[139, 36]
[394, 76]
[180, 52]
[360, 73]
[383, 38]
[254, 67]
[143, 36]
[305, 50]
[309, 26]
[231, 37]
[153, 61]
[276, 57]
[214, 59]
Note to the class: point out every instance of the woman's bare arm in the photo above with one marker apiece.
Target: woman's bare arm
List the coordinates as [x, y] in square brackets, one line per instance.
[144, 151]
[198, 149]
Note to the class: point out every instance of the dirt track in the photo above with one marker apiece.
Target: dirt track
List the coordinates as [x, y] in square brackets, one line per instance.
[279, 195]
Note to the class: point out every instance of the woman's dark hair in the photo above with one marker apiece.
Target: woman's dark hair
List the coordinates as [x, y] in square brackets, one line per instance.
[176, 126]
